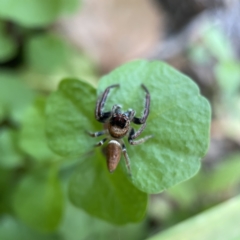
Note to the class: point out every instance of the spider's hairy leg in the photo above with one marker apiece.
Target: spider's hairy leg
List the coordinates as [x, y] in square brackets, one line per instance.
[127, 160]
[100, 143]
[141, 140]
[133, 134]
[99, 114]
[96, 134]
[146, 109]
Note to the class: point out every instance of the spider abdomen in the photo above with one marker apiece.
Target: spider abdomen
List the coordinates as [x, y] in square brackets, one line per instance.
[114, 150]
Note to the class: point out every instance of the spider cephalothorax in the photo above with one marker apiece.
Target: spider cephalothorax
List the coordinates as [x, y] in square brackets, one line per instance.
[117, 126]
[119, 123]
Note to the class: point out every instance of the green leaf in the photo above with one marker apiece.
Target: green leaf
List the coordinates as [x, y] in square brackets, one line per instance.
[3, 112]
[36, 13]
[47, 78]
[6, 188]
[31, 13]
[225, 176]
[15, 97]
[217, 43]
[69, 114]
[32, 137]
[107, 196]
[7, 45]
[38, 200]
[77, 225]
[199, 54]
[11, 229]
[70, 6]
[10, 156]
[220, 222]
[211, 185]
[80, 65]
[185, 193]
[179, 120]
[46, 52]
[229, 70]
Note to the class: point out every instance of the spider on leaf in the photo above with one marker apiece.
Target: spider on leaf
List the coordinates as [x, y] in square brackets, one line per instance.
[118, 126]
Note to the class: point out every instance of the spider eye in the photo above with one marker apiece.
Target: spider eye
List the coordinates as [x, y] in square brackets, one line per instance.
[118, 121]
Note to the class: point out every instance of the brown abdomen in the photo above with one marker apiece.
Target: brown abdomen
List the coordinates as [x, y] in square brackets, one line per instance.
[114, 151]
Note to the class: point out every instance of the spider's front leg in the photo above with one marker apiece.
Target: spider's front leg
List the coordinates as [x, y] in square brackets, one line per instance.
[143, 119]
[133, 135]
[99, 114]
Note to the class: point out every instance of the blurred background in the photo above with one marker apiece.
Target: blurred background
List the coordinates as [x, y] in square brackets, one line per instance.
[42, 42]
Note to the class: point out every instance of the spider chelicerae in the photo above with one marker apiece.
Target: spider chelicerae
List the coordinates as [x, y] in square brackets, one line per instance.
[117, 126]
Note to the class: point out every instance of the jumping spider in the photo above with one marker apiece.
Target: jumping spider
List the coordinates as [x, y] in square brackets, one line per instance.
[117, 126]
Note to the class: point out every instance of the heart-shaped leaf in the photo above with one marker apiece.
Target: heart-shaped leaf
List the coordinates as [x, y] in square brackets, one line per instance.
[179, 120]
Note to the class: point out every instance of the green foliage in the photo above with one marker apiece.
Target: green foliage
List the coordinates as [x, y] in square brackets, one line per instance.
[6, 189]
[7, 45]
[69, 114]
[38, 199]
[214, 39]
[46, 52]
[35, 13]
[228, 76]
[2, 112]
[220, 223]
[79, 225]
[32, 139]
[49, 58]
[222, 180]
[32, 202]
[216, 49]
[126, 203]
[15, 97]
[227, 68]
[11, 229]
[69, 6]
[179, 119]
[225, 177]
[108, 196]
[11, 156]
